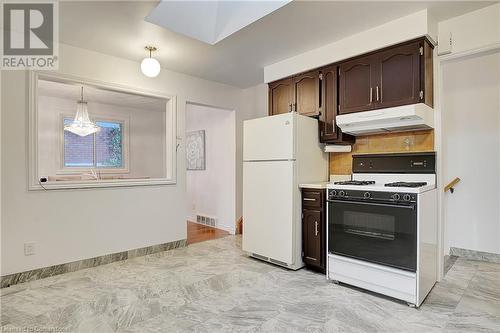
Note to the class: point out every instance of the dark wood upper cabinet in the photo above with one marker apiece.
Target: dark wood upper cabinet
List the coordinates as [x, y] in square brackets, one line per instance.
[300, 93]
[357, 84]
[394, 76]
[307, 93]
[399, 79]
[281, 96]
[329, 132]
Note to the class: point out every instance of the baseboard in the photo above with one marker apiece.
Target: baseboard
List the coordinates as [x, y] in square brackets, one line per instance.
[44, 272]
[475, 255]
[229, 229]
[224, 227]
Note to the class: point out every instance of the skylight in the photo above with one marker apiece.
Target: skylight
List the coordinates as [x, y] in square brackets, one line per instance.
[210, 21]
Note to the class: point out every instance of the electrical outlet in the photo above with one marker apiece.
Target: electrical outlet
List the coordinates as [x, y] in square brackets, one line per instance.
[29, 249]
[408, 142]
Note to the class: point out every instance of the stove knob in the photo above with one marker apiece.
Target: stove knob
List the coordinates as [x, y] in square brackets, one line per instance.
[341, 193]
[333, 193]
[367, 195]
[406, 197]
[396, 196]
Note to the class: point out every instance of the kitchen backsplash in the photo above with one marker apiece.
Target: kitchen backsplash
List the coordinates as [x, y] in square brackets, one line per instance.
[341, 163]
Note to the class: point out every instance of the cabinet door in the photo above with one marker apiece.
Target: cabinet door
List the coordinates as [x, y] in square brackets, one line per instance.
[307, 92]
[281, 96]
[399, 80]
[312, 235]
[328, 126]
[357, 78]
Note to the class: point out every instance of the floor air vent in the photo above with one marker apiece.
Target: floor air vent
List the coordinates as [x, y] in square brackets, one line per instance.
[206, 220]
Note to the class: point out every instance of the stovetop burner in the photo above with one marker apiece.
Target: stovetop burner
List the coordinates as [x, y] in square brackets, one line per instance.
[355, 182]
[406, 184]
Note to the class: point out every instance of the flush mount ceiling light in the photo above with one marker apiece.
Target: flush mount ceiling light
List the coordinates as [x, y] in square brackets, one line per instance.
[150, 66]
[81, 125]
[210, 21]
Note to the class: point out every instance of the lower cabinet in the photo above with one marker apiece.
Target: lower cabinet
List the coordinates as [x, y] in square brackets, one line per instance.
[314, 228]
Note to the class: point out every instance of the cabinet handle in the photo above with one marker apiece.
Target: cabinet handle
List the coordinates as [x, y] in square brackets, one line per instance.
[309, 199]
[290, 107]
[315, 228]
[295, 107]
[378, 97]
[371, 95]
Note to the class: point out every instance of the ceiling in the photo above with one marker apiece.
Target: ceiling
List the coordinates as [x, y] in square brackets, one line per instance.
[118, 28]
[215, 20]
[72, 91]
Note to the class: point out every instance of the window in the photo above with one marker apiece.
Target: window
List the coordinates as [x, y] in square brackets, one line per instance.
[103, 149]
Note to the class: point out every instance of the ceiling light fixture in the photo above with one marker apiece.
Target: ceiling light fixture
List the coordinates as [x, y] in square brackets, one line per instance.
[150, 66]
[81, 125]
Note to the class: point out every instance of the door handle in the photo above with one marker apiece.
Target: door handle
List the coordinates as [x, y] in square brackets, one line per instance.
[315, 228]
[378, 96]
[410, 206]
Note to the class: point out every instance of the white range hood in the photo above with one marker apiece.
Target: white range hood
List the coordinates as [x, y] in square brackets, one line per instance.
[397, 119]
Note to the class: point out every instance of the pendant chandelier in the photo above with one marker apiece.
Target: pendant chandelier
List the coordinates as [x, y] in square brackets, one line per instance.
[81, 125]
[150, 66]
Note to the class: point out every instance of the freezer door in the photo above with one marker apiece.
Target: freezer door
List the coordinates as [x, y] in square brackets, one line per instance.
[269, 138]
[268, 209]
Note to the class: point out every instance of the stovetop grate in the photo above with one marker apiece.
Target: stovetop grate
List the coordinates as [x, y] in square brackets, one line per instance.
[406, 184]
[355, 182]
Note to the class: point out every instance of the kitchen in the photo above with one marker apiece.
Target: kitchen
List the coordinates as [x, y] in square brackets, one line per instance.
[356, 146]
[354, 192]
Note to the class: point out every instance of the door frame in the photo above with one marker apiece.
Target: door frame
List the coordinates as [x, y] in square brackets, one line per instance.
[231, 226]
[438, 141]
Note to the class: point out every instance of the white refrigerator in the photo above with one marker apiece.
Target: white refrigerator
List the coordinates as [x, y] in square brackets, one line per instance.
[279, 153]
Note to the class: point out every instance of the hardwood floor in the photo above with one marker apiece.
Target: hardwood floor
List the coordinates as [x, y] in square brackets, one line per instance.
[199, 233]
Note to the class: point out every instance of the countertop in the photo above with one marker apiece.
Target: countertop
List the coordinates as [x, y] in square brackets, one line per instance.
[320, 185]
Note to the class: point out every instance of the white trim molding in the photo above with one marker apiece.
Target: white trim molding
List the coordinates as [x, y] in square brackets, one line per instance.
[170, 137]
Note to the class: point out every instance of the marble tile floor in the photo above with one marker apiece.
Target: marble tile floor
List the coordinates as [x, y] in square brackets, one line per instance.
[213, 287]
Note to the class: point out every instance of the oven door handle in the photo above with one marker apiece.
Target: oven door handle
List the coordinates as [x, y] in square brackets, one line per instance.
[412, 206]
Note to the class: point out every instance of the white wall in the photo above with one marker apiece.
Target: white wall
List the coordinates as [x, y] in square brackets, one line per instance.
[405, 28]
[115, 219]
[473, 35]
[211, 192]
[472, 31]
[471, 151]
[145, 135]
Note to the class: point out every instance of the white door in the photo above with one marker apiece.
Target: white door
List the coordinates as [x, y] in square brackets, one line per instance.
[269, 138]
[471, 151]
[268, 209]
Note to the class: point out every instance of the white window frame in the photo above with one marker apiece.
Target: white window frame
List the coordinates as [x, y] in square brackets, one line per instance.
[170, 136]
[125, 123]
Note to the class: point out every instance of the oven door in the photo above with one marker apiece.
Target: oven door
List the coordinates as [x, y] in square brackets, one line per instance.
[378, 232]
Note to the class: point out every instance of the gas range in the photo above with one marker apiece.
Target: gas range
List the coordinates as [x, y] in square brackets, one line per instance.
[382, 224]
